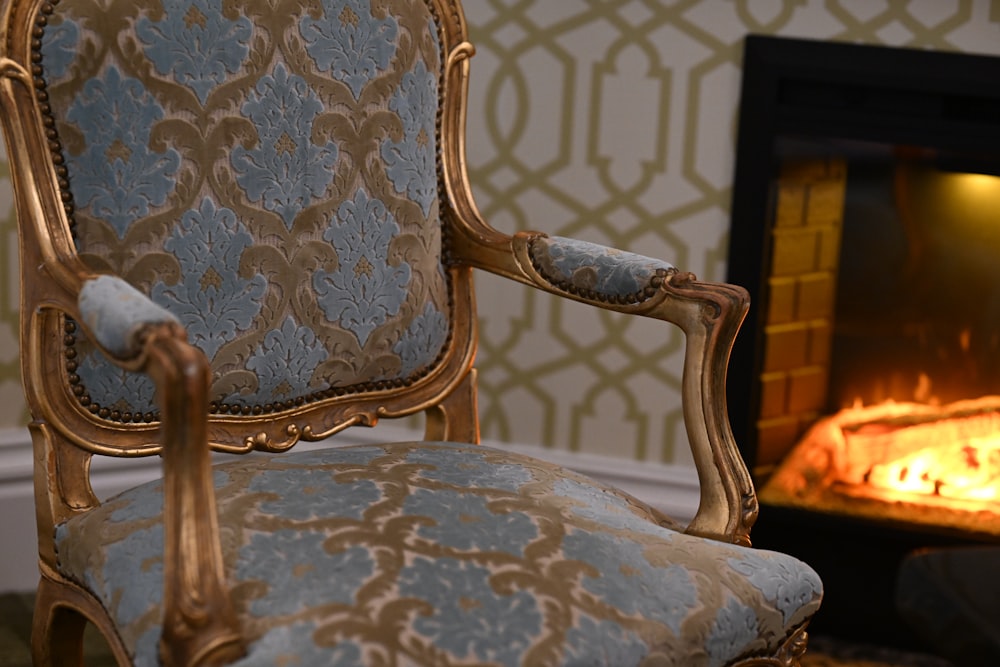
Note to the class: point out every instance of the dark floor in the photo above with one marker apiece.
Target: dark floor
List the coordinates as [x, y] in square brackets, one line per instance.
[15, 631]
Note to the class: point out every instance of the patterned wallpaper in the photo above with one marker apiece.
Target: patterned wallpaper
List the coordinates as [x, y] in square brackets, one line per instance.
[614, 121]
[611, 121]
[13, 411]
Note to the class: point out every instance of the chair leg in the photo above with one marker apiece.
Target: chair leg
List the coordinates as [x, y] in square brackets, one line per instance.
[56, 630]
[62, 611]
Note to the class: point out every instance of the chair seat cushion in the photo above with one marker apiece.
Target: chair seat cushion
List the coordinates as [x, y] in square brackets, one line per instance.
[445, 554]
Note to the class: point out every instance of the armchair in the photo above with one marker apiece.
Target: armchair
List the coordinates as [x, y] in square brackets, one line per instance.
[246, 226]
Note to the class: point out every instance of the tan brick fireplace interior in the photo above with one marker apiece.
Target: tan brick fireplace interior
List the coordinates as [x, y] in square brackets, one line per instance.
[805, 246]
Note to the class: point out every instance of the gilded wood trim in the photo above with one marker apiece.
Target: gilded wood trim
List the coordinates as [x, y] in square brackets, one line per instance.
[789, 654]
[199, 622]
[456, 419]
[710, 315]
[62, 609]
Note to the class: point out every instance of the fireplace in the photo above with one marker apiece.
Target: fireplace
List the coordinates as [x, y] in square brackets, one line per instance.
[864, 389]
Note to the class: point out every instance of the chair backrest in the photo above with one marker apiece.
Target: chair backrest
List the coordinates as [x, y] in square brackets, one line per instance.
[271, 174]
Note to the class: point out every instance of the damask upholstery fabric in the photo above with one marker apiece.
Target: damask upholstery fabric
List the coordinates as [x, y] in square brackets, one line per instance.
[444, 554]
[115, 311]
[266, 174]
[601, 271]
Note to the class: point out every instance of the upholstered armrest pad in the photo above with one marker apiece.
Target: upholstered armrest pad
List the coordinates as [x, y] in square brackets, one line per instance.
[597, 271]
[115, 313]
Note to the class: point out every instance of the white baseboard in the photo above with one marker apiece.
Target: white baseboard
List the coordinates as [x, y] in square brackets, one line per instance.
[671, 488]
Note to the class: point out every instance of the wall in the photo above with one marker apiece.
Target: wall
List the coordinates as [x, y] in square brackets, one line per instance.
[615, 122]
[13, 411]
[611, 121]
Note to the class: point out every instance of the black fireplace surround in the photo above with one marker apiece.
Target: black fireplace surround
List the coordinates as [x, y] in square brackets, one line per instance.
[946, 105]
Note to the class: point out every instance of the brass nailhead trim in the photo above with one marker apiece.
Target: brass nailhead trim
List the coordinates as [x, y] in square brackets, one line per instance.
[656, 281]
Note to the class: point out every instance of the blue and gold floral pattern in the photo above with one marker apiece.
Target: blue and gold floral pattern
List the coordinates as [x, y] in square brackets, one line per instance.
[142, 559]
[212, 300]
[464, 521]
[118, 389]
[270, 177]
[296, 561]
[284, 363]
[422, 341]
[199, 46]
[385, 554]
[467, 617]
[315, 498]
[118, 174]
[590, 642]
[735, 626]
[410, 162]
[365, 290]
[293, 645]
[670, 591]
[285, 171]
[350, 43]
[62, 44]
[595, 268]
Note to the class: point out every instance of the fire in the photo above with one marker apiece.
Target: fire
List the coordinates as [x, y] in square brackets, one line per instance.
[906, 463]
[960, 471]
[949, 453]
[924, 449]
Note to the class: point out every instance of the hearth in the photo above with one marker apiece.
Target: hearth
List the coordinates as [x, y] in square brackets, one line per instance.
[905, 463]
[864, 389]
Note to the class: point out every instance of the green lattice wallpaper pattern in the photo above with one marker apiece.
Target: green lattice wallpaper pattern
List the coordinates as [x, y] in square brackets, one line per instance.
[12, 407]
[614, 121]
[611, 121]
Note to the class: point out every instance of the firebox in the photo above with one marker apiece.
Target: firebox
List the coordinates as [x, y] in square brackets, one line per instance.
[864, 389]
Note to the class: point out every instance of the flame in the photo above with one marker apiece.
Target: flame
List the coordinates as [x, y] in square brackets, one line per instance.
[898, 462]
[952, 456]
[959, 471]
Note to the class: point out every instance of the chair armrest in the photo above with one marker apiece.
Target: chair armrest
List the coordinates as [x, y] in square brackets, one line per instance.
[115, 314]
[142, 336]
[709, 314]
[597, 272]
[195, 595]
